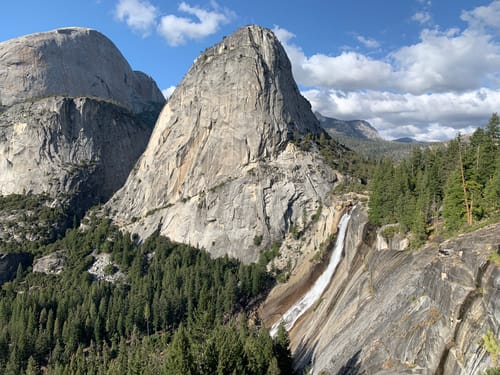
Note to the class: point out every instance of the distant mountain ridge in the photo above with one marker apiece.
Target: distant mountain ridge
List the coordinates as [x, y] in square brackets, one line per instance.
[358, 129]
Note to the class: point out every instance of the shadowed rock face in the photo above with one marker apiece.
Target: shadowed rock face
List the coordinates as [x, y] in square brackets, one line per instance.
[72, 62]
[401, 312]
[77, 147]
[219, 169]
[9, 264]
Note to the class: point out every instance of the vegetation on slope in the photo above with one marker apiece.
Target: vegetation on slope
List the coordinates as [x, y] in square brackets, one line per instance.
[458, 183]
[175, 313]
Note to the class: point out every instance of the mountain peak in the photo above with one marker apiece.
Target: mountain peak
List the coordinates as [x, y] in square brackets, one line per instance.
[357, 129]
[223, 131]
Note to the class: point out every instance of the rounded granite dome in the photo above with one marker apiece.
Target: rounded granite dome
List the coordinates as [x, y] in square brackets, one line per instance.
[71, 62]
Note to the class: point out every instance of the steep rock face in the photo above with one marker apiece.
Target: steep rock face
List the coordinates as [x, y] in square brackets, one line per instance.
[219, 169]
[72, 62]
[75, 147]
[74, 117]
[399, 312]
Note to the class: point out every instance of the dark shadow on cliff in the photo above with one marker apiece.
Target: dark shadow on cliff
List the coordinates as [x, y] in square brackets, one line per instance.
[352, 366]
[303, 356]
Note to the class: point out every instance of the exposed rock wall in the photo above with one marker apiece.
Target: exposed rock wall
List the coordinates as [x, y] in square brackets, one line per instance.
[78, 147]
[401, 312]
[219, 169]
[74, 117]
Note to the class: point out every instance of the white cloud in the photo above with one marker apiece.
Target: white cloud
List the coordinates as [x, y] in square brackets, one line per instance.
[444, 61]
[368, 42]
[177, 30]
[441, 61]
[448, 81]
[427, 117]
[139, 15]
[348, 71]
[483, 16]
[168, 91]
[421, 17]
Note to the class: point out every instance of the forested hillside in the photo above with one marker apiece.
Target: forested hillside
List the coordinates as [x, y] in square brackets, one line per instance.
[177, 312]
[445, 187]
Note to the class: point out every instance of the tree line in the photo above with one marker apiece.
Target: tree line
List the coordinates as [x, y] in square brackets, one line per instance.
[456, 184]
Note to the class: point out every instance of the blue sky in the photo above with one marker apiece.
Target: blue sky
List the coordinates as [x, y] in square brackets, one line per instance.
[420, 68]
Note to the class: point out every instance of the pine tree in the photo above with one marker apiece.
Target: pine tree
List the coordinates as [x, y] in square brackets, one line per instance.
[453, 202]
[179, 359]
[282, 350]
[273, 368]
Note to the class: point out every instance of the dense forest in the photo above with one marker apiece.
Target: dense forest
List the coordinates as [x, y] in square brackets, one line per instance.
[177, 311]
[442, 188]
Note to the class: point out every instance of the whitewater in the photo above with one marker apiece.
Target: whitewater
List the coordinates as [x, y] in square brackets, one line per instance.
[296, 311]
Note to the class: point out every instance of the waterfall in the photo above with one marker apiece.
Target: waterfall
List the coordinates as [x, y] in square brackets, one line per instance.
[297, 310]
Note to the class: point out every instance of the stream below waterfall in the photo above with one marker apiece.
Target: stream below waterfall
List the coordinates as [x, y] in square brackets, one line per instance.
[299, 308]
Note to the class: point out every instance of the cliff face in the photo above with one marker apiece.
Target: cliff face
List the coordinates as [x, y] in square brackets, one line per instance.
[401, 312]
[219, 169]
[73, 116]
[68, 146]
[71, 62]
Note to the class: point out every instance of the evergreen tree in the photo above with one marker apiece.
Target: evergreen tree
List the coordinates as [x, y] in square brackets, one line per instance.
[282, 350]
[179, 360]
[453, 203]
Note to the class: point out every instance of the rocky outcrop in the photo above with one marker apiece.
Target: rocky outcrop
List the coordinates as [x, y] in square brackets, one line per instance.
[52, 263]
[401, 312]
[220, 169]
[103, 268]
[72, 62]
[389, 238]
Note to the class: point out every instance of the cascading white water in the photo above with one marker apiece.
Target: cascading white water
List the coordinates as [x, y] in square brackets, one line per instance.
[296, 311]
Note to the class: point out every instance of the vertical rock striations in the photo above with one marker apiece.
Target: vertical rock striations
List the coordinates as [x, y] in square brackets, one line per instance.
[219, 169]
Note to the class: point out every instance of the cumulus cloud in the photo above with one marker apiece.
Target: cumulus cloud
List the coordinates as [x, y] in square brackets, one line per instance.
[168, 91]
[441, 61]
[483, 16]
[177, 30]
[448, 81]
[367, 42]
[139, 15]
[426, 117]
[347, 71]
[444, 61]
[421, 17]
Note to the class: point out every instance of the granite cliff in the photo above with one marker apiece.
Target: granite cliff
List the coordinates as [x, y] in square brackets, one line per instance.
[388, 311]
[220, 171]
[358, 129]
[74, 116]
